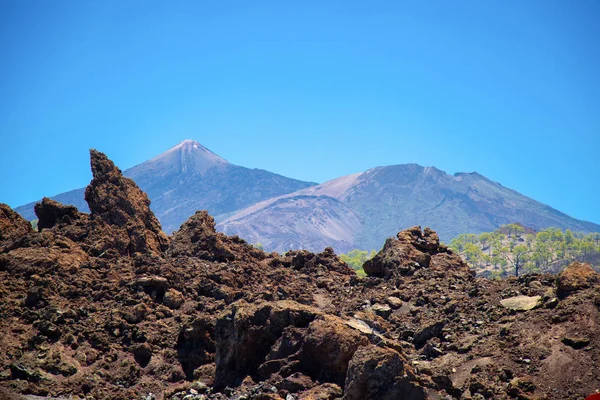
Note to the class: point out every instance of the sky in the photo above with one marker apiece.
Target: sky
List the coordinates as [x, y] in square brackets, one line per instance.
[312, 90]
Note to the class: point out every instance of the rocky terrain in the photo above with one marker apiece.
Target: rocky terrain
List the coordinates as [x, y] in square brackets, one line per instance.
[106, 306]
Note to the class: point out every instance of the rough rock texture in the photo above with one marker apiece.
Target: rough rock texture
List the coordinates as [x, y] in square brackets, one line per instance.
[89, 312]
[379, 373]
[197, 237]
[118, 201]
[575, 277]
[411, 250]
[12, 224]
[50, 212]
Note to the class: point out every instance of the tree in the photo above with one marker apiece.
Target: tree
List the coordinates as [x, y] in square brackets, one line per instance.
[356, 258]
[485, 238]
[516, 257]
[473, 253]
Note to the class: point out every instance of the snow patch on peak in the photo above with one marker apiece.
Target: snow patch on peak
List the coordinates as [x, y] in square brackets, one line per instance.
[188, 156]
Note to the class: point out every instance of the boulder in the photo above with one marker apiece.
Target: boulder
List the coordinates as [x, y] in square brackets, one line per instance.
[197, 237]
[412, 249]
[575, 277]
[245, 333]
[376, 373]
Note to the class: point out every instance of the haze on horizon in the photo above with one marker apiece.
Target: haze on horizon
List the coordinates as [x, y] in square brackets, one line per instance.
[309, 91]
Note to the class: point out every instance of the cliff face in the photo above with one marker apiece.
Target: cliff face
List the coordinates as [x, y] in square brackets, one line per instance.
[105, 305]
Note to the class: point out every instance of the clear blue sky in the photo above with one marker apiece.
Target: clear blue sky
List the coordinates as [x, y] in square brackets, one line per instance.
[308, 89]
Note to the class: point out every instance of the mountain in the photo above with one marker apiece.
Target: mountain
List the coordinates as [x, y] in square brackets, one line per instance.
[190, 177]
[360, 210]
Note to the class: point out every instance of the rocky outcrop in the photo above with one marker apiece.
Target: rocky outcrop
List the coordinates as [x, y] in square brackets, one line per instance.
[197, 237]
[119, 202]
[413, 249]
[576, 276]
[50, 212]
[12, 224]
[326, 261]
[280, 340]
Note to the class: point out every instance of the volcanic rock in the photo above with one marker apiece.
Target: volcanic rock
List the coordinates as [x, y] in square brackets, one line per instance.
[119, 202]
[377, 373]
[412, 249]
[88, 311]
[12, 224]
[50, 212]
[575, 277]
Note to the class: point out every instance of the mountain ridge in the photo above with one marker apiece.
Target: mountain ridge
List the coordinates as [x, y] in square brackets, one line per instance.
[189, 177]
[353, 211]
[387, 199]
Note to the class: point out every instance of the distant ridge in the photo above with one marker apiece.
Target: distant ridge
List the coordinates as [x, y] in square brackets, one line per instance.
[353, 211]
[377, 203]
[190, 177]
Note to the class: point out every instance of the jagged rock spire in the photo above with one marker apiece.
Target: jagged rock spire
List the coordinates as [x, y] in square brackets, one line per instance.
[118, 201]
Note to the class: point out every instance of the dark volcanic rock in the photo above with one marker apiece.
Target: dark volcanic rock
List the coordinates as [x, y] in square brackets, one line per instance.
[197, 237]
[411, 251]
[12, 224]
[50, 212]
[327, 261]
[377, 373]
[118, 201]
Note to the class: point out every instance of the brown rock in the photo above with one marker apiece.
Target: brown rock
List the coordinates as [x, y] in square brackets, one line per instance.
[173, 299]
[325, 391]
[50, 212]
[329, 345]
[245, 333]
[119, 202]
[327, 261]
[197, 237]
[575, 277]
[410, 251]
[12, 224]
[376, 373]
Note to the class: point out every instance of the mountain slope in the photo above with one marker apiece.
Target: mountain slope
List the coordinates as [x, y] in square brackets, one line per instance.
[381, 201]
[189, 177]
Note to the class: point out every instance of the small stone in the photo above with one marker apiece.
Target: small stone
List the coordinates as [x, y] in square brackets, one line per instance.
[552, 303]
[382, 310]
[173, 299]
[536, 285]
[193, 391]
[521, 303]
[575, 342]
[394, 302]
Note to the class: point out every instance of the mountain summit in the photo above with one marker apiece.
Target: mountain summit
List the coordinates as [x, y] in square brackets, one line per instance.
[190, 177]
[188, 157]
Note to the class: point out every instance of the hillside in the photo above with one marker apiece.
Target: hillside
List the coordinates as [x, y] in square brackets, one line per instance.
[189, 177]
[106, 306]
[377, 203]
[513, 249]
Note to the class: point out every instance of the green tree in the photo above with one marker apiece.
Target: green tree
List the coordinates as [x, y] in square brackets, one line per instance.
[356, 258]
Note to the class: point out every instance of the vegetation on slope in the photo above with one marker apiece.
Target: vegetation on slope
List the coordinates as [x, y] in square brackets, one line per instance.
[513, 250]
